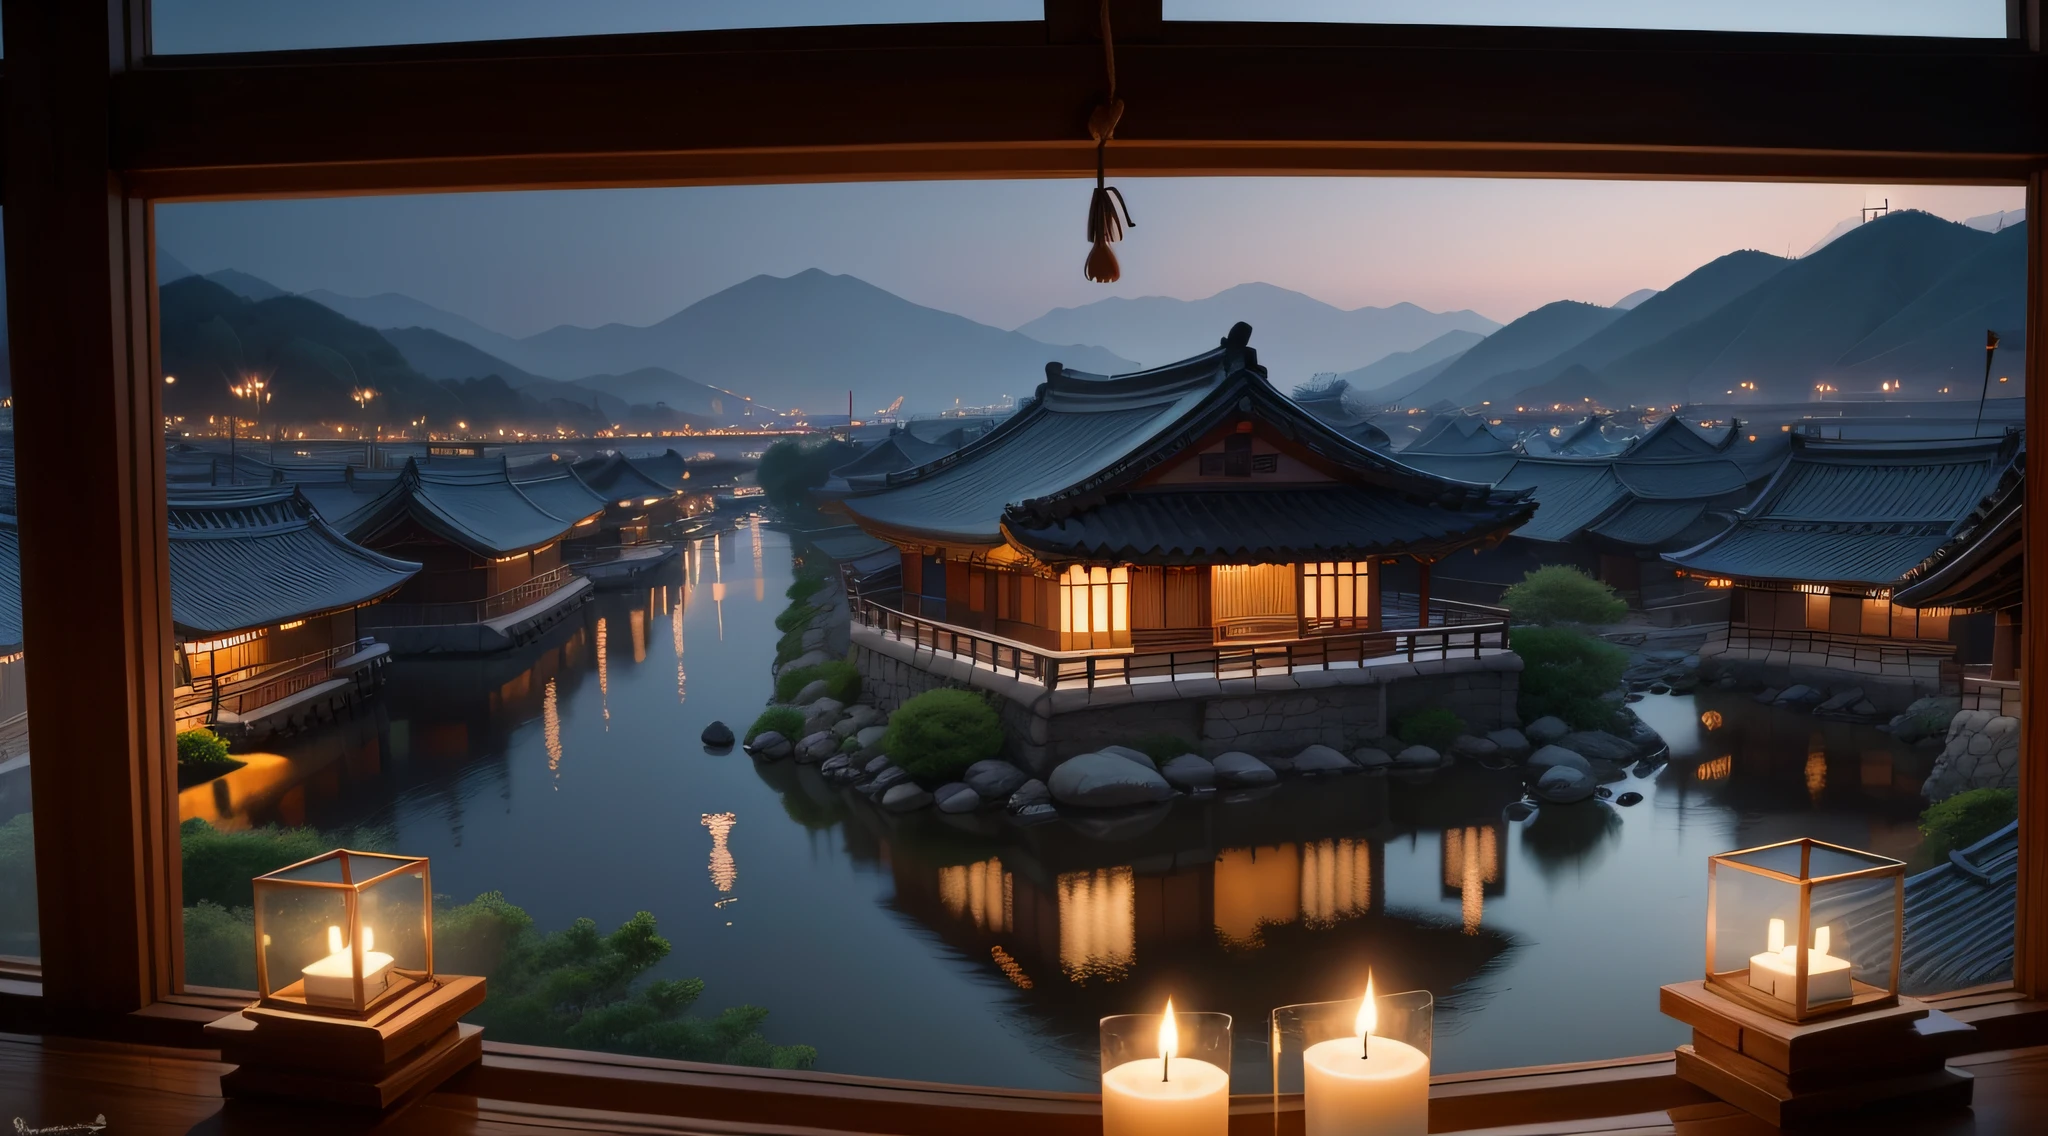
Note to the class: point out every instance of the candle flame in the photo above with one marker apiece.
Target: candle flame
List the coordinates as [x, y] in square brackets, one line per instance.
[1368, 1010]
[1169, 1037]
[1820, 941]
[333, 939]
[1777, 939]
[369, 940]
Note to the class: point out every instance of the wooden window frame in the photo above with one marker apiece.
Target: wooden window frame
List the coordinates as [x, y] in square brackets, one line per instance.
[97, 131]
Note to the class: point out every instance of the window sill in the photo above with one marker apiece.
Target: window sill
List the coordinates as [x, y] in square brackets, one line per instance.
[535, 1080]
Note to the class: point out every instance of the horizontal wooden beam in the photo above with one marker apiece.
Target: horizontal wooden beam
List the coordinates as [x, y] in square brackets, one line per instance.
[1000, 101]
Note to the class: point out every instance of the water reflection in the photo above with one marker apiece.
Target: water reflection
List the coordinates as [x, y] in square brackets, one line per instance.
[985, 953]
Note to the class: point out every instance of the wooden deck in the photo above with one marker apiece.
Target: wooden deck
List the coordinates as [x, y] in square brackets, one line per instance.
[147, 1090]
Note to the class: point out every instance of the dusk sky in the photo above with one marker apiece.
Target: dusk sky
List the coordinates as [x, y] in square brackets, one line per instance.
[1004, 253]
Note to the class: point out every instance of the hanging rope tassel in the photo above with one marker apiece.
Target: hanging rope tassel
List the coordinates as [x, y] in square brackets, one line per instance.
[1108, 214]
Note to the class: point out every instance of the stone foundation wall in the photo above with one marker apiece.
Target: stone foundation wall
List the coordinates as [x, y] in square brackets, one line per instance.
[1890, 684]
[1273, 714]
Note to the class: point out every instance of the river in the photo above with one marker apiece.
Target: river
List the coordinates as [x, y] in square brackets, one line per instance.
[568, 775]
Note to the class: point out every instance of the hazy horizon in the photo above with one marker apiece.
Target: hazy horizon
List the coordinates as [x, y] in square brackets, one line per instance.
[1005, 253]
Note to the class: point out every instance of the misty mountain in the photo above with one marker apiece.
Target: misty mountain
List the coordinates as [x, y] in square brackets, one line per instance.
[1994, 222]
[1702, 292]
[1298, 335]
[1806, 322]
[805, 340]
[392, 309]
[169, 268]
[244, 285]
[313, 358]
[1435, 355]
[1939, 336]
[1845, 225]
[441, 356]
[1633, 298]
[1537, 337]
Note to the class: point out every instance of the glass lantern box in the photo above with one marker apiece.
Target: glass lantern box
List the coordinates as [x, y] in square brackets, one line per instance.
[1805, 929]
[344, 933]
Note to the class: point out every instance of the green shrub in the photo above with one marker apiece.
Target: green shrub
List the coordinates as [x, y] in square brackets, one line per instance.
[938, 734]
[220, 946]
[806, 585]
[1162, 748]
[1564, 673]
[1559, 593]
[18, 885]
[203, 754]
[842, 681]
[790, 469]
[796, 616]
[219, 865]
[1966, 818]
[1434, 727]
[785, 720]
[789, 646]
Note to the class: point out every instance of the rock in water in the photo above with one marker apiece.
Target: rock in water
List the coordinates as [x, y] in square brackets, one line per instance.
[1028, 795]
[1236, 770]
[956, 797]
[1418, 757]
[1547, 729]
[1599, 745]
[770, 745]
[1513, 743]
[717, 734]
[1370, 758]
[1102, 781]
[905, 796]
[1557, 757]
[994, 779]
[812, 691]
[1471, 745]
[1629, 798]
[1318, 760]
[1129, 754]
[1189, 771]
[1037, 813]
[1563, 785]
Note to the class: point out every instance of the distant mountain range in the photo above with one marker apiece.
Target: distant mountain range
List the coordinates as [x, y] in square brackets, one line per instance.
[1906, 296]
[1297, 336]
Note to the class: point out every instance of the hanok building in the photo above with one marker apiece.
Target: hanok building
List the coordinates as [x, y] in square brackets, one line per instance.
[265, 601]
[1978, 571]
[493, 575]
[1811, 565]
[636, 505]
[1147, 524]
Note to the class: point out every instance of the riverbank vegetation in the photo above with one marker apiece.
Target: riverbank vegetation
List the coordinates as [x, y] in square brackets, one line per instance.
[938, 734]
[1964, 819]
[202, 756]
[1434, 727]
[790, 469]
[1564, 674]
[1560, 593]
[785, 720]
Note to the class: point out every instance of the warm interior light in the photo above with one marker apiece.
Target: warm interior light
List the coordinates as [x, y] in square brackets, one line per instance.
[1169, 1037]
[1368, 1011]
[1820, 941]
[333, 939]
[1776, 938]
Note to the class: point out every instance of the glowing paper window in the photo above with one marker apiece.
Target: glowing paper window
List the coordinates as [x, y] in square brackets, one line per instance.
[1096, 602]
[1336, 593]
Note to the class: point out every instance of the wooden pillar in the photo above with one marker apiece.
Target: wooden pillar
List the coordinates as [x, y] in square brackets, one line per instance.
[2030, 959]
[2005, 644]
[1422, 594]
[89, 450]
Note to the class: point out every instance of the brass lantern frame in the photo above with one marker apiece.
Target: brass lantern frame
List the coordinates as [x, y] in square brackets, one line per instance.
[405, 985]
[1734, 984]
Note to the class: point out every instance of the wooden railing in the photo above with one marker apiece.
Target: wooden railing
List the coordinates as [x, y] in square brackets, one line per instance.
[260, 686]
[1068, 669]
[1744, 638]
[465, 611]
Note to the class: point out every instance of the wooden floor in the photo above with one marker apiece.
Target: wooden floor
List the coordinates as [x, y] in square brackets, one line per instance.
[143, 1091]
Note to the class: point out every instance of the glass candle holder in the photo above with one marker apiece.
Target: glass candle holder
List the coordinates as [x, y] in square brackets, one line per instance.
[1166, 1074]
[1804, 929]
[1359, 1072]
[343, 933]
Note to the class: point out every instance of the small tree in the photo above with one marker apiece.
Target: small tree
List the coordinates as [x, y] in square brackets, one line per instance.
[1564, 672]
[1434, 727]
[1560, 593]
[938, 734]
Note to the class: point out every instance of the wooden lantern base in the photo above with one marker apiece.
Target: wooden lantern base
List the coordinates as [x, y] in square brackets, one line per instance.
[1788, 1074]
[400, 1052]
[1735, 987]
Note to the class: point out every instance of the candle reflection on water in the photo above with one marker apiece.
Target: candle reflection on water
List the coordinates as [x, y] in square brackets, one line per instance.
[1472, 870]
[1336, 881]
[675, 630]
[604, 683]
[551, 731]
[724, 870]
[981, 892]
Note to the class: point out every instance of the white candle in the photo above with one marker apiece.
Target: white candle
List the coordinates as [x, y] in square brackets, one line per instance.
[1365, 1085]
[1775, 971]
[1166, 1095]
[330, 981]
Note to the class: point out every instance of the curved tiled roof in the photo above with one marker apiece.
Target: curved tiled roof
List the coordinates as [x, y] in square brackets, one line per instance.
[557, 489]
[1084, 439]
[477, 507]
[1673, 437]
[1570, 495]
[10, 585]
[1682, 479]
[1649, 524]
[616, 477]
[665, 468]
[1978, 569]
[1460, 432]
[1854, 513]
[254, 558]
